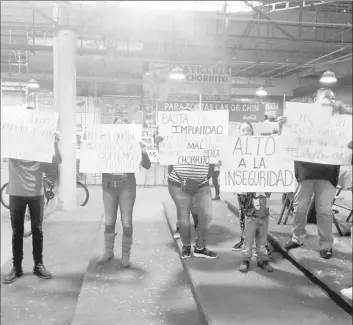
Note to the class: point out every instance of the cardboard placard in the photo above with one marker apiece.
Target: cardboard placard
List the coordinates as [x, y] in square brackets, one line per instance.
[111, 148]
[255, 164]
[28, 134]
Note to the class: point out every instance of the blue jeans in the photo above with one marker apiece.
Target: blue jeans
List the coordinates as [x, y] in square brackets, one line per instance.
[202, 207]
[256, 229]
[324, 193]
[121, 194]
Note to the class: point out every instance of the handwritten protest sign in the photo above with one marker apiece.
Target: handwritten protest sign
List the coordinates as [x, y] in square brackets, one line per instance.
[255, 164]
[110, 148]
[191, 137]
[314, 135]
[28, 134]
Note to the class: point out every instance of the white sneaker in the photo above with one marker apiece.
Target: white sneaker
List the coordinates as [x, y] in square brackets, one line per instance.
[347, 293]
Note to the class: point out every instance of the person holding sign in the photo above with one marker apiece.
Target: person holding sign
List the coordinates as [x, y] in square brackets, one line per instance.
[246, 129]
[25, 188]
[320, 180]
[188, 183]
[120, 190]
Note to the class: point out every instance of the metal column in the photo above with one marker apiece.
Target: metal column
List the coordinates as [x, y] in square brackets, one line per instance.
[65, 104]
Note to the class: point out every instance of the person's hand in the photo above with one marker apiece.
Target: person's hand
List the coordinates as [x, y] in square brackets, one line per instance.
[57, 138]
[143, 146]
[158, 139]
[282, 120]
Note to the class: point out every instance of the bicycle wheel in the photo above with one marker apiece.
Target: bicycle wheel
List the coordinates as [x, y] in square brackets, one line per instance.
[5, 199]
[82, 194]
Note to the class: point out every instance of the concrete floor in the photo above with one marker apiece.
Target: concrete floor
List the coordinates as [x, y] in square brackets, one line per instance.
[156, 290]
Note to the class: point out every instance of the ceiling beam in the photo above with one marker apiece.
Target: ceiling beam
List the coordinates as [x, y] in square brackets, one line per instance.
[144, 58]
[283, 31]
[232, 39]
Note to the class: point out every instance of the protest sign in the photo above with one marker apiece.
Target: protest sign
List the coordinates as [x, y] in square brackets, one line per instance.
[110, 148]
[255, 164]
[28, 134]
[191, 137]
[314, 135]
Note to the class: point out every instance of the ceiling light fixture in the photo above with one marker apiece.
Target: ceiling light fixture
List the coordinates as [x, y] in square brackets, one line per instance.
[33, 84]
[261, 92]
[177, 74]
[328, 77]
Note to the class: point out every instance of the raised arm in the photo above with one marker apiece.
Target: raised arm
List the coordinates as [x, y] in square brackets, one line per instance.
[57, 159]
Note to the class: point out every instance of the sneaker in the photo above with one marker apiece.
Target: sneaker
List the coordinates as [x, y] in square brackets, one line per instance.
[216, 198]
[244, 267]
[204, 253]
[14, 274]
[326, 253]
[186, 252]
[239, 246]
[40, 271]
[347, 293]
[290, 245]
[265, 265]
[176, 234]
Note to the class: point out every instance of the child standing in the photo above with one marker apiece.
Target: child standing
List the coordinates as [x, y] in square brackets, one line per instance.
[256, 210]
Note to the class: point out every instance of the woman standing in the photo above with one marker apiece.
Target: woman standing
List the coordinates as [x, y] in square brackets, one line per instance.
[188, 183]
[120, 190]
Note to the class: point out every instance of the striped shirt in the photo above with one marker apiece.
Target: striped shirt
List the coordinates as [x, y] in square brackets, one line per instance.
[195, 172]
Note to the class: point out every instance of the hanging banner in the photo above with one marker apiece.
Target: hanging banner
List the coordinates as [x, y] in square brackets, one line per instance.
[28, 134]
[199, 79]
[314, 135]
[191, 137]
[238, 111]
[255, 164]
[111, 149]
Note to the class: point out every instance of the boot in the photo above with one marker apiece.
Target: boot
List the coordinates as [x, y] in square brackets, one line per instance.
[37, 242]
[14, 274]
[126, 248]
[108, 253]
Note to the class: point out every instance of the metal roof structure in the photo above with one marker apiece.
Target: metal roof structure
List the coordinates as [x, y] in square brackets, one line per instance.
[264, 43]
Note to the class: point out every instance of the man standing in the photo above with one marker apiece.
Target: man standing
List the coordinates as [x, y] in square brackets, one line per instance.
[320, 180]
[25, 189]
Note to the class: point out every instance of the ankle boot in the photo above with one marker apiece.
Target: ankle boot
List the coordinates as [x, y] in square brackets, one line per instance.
[13, 275]
[108, 253]
[126, 249]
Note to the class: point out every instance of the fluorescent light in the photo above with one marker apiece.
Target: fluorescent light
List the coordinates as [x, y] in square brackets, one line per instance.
[177, 74]
[328, 77]
[261, 92]
[33, 84]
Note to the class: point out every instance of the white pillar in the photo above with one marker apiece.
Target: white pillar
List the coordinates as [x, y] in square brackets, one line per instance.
[64, 50]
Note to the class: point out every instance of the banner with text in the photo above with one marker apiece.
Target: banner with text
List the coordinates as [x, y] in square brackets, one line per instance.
[110, 148]
[191, 137]
[255, 164]
[314, 135]
[28, 134]
[238, 112]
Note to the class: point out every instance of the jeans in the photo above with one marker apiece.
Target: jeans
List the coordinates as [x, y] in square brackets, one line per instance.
[324, 193]
[256, 229]
[203, 208]
[18, 205]
[122, 194]
[215, 182]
